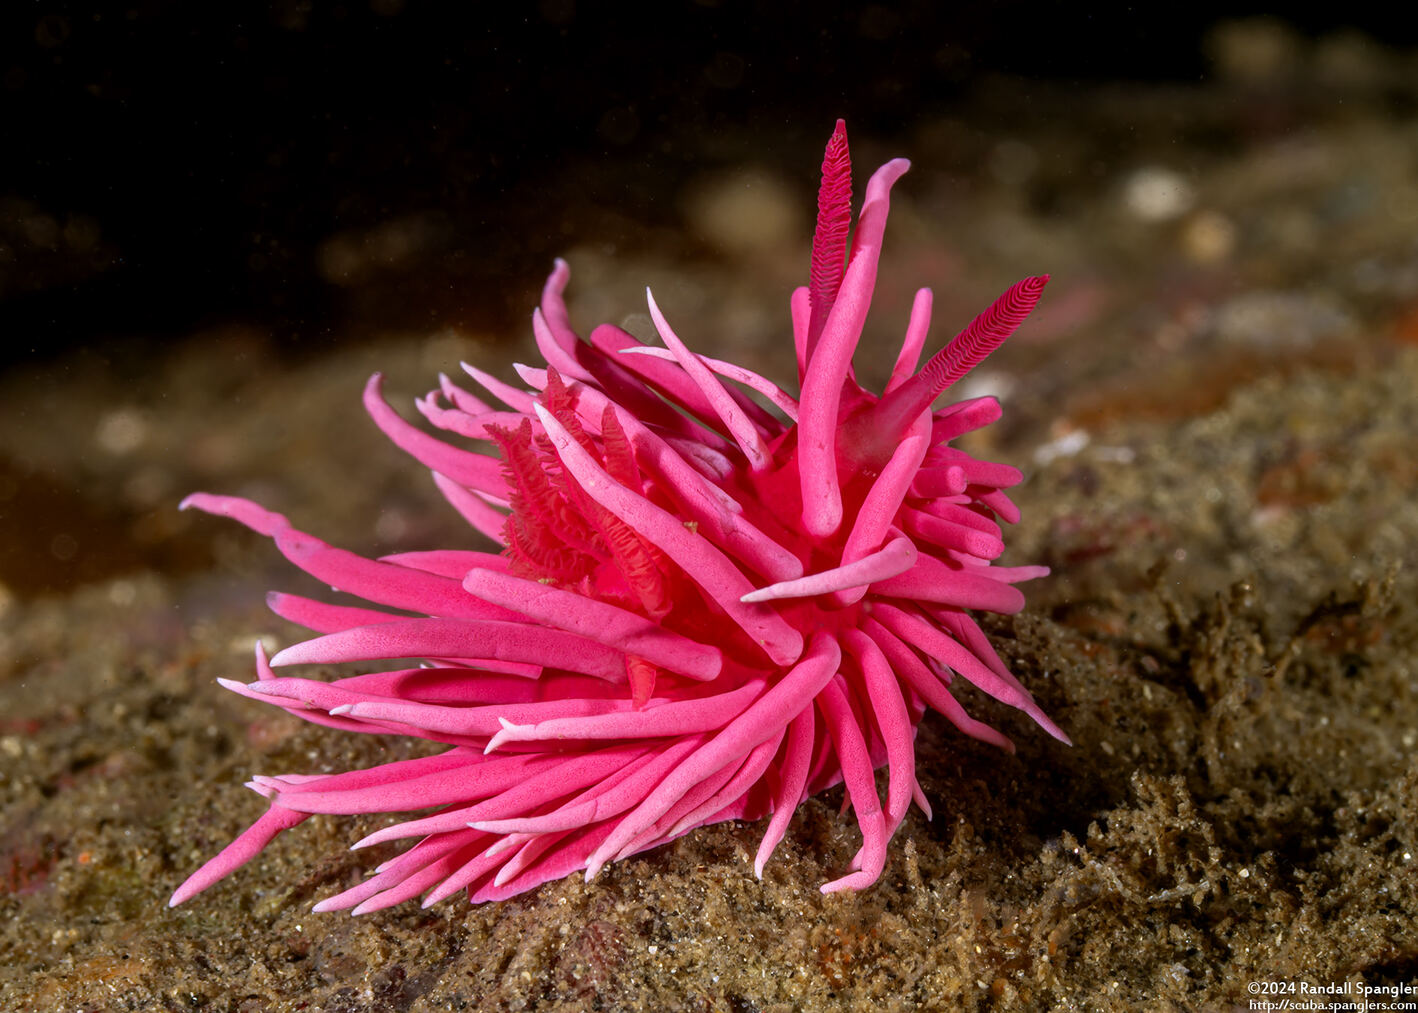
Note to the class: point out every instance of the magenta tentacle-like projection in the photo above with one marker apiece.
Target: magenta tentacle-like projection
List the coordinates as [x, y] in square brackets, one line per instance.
[705, 607]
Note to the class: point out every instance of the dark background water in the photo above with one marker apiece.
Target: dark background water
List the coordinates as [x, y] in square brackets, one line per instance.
[172, 165]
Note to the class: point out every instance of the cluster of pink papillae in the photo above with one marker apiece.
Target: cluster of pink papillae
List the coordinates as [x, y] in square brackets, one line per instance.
[704, 608]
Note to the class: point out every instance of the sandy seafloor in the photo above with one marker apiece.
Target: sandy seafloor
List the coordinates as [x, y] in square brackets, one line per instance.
[1216, 409]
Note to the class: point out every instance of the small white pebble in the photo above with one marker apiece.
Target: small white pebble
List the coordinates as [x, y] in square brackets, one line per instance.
[122, 431]
[985, 383]
[1067, 445]
[122, 593]
[1155, 194]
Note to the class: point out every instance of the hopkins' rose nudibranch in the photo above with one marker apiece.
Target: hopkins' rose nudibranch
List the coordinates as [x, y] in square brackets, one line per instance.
[704, 608]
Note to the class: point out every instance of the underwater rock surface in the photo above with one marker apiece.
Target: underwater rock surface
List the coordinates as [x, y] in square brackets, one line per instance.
[1220, 406]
